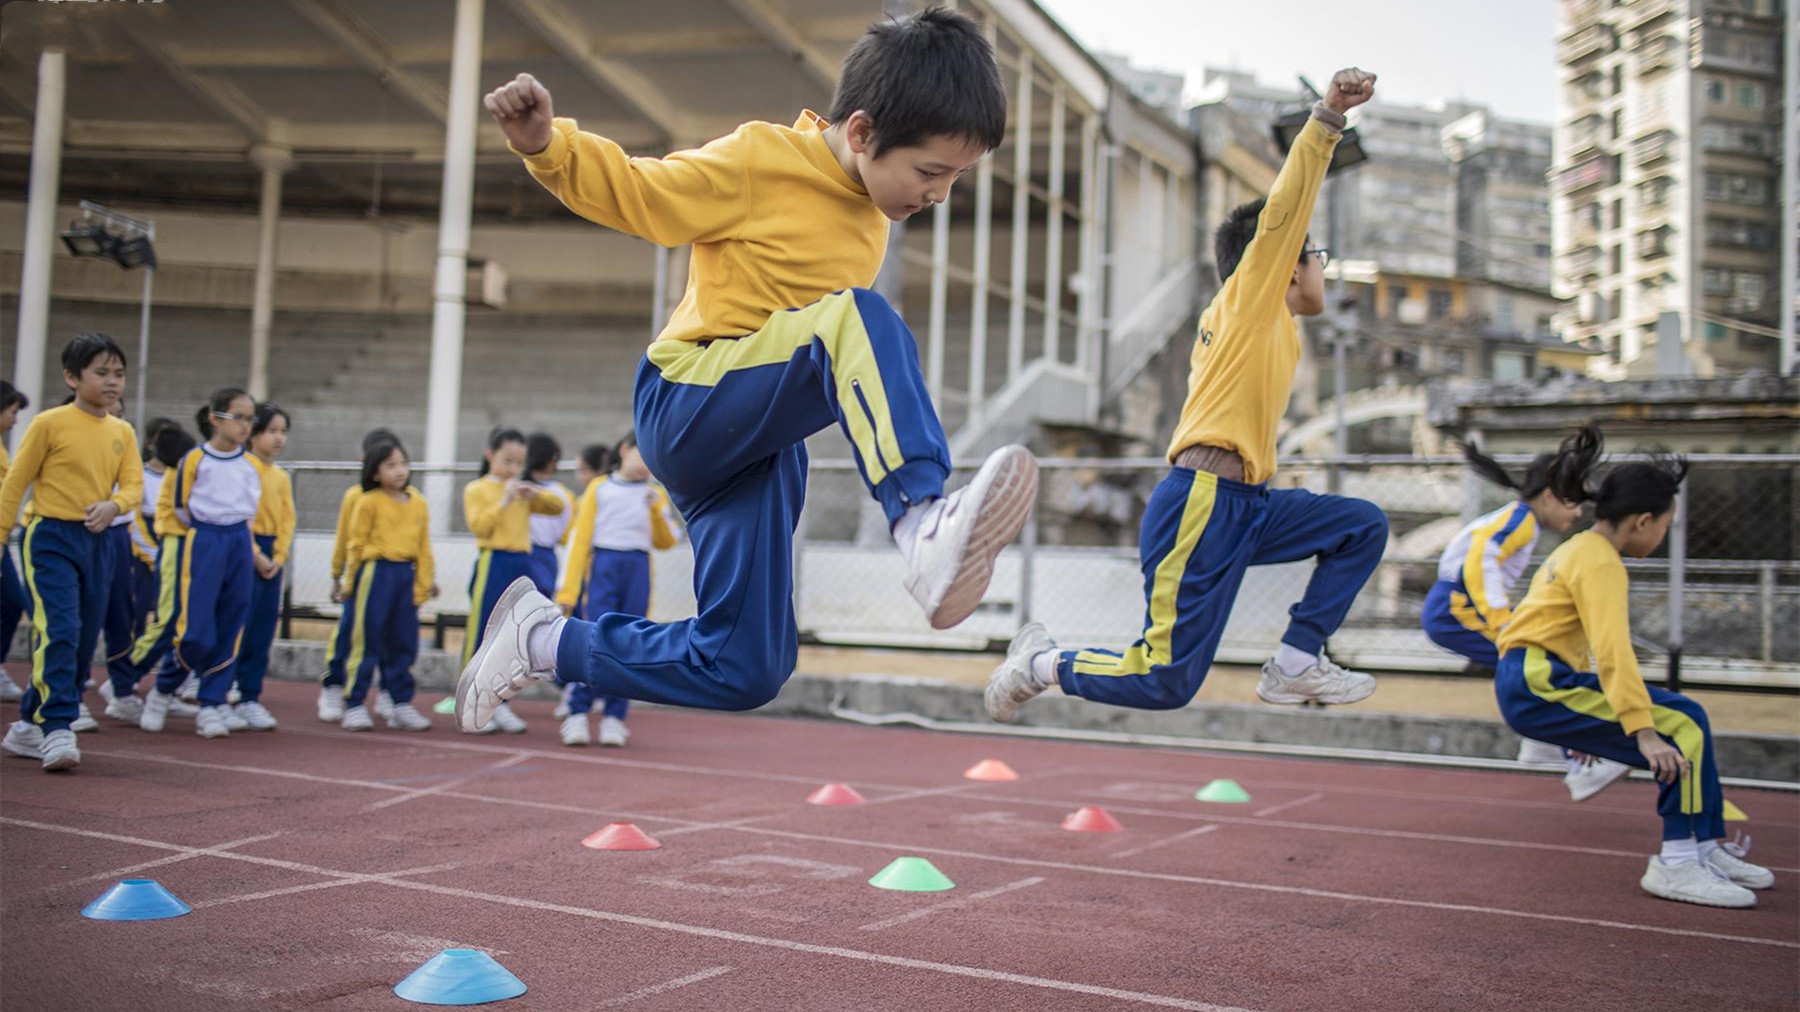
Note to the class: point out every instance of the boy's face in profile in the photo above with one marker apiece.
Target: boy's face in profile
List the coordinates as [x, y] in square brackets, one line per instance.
[903, 181]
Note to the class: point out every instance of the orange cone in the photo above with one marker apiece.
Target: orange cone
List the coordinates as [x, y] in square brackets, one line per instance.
[1092, 819]
[990, 769]
[620, 836]
[835, 794]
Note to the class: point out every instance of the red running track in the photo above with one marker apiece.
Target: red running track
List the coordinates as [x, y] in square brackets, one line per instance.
[324, 866]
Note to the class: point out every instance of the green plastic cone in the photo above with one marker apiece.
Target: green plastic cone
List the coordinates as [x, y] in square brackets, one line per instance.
[911, 875]
[445, 705]
[1223, 791]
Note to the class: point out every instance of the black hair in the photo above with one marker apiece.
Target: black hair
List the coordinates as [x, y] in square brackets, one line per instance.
[541, 451]
[82, 349]
[597, 457]
[11, 395]
[219, 401]
[1565, 472]
[374, 454]
[172, 443]
[1232, 238]
[1642, 486]
[498, 438]
[265, 416]
[151, 429]
[931, 74]
[629, 439]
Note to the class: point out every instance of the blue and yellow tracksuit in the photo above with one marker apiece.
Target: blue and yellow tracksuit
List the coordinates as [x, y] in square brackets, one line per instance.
[616, 524]
[390, 547]
[273, 530]
[503, 534]
[548, 531]
[1467, 607]
[70, 460]
[12, 592]
[1200, 531]
[125, 611]
[1579, 606]
[337, 649]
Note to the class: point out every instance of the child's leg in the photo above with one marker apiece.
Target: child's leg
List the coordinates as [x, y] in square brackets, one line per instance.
[1193, 549]
[1347, 537]
[54, 557]
[543, 569]
[494, 572]
[1446, 629]
[121, 618]
[616, 707]
[1694, 806]
[158, 638]
[12, 601]
[400, 639]
[363, 656]
[337, 649]
[226, 589]
[259, 635]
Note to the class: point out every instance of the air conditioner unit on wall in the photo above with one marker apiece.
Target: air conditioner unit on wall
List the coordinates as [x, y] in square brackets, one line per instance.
[485, 284]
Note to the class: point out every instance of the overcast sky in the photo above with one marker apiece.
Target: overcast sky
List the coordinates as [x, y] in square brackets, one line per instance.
[1501, 53]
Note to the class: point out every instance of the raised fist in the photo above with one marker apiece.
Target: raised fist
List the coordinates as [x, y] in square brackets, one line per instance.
[522, 108]
[1348, 89]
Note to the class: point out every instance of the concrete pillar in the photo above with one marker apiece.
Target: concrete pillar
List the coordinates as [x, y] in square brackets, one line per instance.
[40, 232]
[274, 162]
[443, 400]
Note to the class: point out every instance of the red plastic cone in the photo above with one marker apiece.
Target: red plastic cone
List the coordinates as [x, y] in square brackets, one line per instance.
[1091, 820]
[620, 836]
[990, 769]
[835, 794]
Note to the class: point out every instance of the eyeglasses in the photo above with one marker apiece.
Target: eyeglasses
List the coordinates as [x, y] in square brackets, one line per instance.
[1323, 253]
[226, 416]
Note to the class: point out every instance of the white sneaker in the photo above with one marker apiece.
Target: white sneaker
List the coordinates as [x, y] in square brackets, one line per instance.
[234, 697]
[501, 666]
[384, 703]
[1012, 684]
[60, 751]
[1324, 682]
[179, 707]
[331, 703]
[210, 722]
[84, 721]
[24, 739]
[952, 556]
[613, 732]
[356, 718]
[1585, 781]
[507, 720]
[1694, 883]
[1728, 860]
[189, 692]
[105, 689]
[256, 716]
[125, 709]
[1540, 753]
[233, 720]
[404, 718]
[155, 712]
[562, 705]
[575, 730]
[9, 689]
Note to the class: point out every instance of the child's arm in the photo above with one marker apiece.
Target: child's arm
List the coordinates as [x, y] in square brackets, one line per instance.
[547, 502]
[581, 547]
[1601, 594]
[661, 535]
[170, 505]
[286, 519]
[688, 196]
[424, 565]
[129, 491]
[483, 504]
[340, 543]
[24, 471]
[360, 534]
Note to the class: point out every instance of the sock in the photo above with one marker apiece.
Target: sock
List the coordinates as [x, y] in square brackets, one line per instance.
[542, 643]
[1043, 668]
[1679, 852]
[906, 529]
[1294, 661]
[1706, 847]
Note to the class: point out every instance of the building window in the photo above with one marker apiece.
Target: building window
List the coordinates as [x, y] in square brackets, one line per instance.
[1615, 259]
[1748, 287]
[1503, 314]
[1396, 296]
[1453, 361]
[1715, 332]
[1750, 96]
[1616, 123]
[1618, 212]
[1437, 303]
[1617, 78]
[1509, 367]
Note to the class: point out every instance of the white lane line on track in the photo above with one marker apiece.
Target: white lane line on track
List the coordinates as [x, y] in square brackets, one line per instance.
[913, 915]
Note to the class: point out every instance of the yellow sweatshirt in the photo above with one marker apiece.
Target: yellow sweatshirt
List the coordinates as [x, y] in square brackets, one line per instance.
[275, 514]
[340, 545]
[71, 460]
[504, 528]
[383, 527]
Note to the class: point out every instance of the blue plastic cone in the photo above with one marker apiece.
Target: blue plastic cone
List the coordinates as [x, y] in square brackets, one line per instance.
[460, 977]
[135, 899]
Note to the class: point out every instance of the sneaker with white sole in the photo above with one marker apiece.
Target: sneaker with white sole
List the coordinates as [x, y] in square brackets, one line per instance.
[562, 710]
[155, 713]
[125, 709]
[23, 739]
[1540, 753]
[105, 689]
[1696, 882]
[575, 730]
[384, 703]
[84, 721]
[9, 689]
[189, 691]
[1324, 682]
[233, 720]
[59, 751]
[210, 722]
[404, 718]
[501, 666]
[1584, 780]
[356, 718]
[256, 716]
[613, 732]
[331, 703]
[1728, 860]
[952, 555]
[507, 720]
[1012, 684]
[179, 707]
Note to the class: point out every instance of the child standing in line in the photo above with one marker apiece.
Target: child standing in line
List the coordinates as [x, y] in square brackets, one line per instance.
[498, 507]
[331, 683]
[542, 458]
[390, 550]
[1579, 607]
[618, 521]
[172, 443]
[212, 497]
[82, 467]
[12, 592]
[273, 530]
[777, 338]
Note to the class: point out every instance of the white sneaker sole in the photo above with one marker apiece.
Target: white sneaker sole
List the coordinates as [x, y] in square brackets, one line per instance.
[1291, 698]
[1002, 507]
[1585, 788]
[62, 761]
[1652, 887]
[465, 683]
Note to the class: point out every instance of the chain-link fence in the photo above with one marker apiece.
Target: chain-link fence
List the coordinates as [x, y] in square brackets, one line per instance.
[1723, 593]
